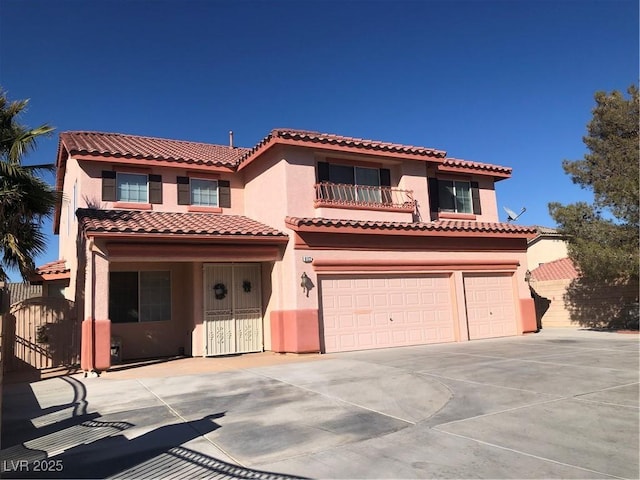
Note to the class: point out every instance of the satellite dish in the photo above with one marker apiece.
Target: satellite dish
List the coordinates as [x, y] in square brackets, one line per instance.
[513, 216]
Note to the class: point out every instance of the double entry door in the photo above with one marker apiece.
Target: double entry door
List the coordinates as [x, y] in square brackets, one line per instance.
[232, 308]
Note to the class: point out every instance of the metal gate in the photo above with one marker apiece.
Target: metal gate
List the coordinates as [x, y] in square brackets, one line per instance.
[232, 308]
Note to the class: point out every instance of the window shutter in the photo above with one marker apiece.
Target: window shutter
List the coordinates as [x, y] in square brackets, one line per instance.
[184, 191]
[155, 188]
[475, 198]
[385, 177]
[385, 181]
[434, 200]
[323, 172]
[108, 186]
[224, 194]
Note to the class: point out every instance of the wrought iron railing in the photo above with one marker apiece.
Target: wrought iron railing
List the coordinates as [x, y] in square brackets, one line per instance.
[338, 194]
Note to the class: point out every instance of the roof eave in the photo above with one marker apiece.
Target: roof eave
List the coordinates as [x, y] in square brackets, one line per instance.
[193, 237]
[360, 230]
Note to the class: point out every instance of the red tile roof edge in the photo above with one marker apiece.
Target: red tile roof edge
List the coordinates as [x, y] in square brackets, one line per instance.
[173, 223]
[70, 140]
[457, 162]
[334, 139]
[444, 225]
[56, 266]
[561, 269]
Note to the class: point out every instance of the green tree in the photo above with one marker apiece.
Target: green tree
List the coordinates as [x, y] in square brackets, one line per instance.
[25, 198]
[603, 236]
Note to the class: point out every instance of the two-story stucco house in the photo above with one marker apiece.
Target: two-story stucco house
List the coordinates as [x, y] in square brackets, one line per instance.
[307, 242]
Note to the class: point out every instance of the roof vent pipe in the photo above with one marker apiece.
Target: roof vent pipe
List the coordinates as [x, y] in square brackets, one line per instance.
[231, 138]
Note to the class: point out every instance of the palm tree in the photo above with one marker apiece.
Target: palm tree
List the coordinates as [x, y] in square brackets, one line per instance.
[25, 199]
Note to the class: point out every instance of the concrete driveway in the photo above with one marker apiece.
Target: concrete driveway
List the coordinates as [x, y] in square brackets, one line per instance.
[558, 404]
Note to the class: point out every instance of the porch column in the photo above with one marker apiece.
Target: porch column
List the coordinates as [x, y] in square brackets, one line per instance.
[96, 327]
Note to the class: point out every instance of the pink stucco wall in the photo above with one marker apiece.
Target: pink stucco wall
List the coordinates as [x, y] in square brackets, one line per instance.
[163, 338]
[279, 184]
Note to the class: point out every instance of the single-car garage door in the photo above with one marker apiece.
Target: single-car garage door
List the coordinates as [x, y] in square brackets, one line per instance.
[363, 312]
[490, 305]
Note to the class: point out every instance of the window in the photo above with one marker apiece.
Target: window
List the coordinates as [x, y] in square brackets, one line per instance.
[139, 296]
[131, 187]
[454, 196]
[204, 192]
[366, 180]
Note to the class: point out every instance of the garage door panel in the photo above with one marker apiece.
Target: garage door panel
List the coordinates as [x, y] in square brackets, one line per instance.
[490, 306]
[403, 311]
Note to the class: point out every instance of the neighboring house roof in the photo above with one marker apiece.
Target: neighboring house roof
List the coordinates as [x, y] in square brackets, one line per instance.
[546, 232]
[106, 222]
[562, 269]
[56, 270]
[150, 148]
[444, 226]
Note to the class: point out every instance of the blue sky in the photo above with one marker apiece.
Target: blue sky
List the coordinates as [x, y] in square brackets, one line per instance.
[503, 82]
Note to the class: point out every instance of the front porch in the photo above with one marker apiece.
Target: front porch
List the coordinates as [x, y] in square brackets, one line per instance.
[168, 294]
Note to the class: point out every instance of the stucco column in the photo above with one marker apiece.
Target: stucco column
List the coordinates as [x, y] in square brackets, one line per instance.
[96, 327]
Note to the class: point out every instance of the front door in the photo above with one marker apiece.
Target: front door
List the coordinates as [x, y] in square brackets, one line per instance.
[232, 308]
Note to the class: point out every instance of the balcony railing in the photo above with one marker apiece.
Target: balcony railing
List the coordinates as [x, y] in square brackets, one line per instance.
[363, 196]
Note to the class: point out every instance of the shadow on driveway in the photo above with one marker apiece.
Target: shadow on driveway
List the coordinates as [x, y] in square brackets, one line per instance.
[64, 441]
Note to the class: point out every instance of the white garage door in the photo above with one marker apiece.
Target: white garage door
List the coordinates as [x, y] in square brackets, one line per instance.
[490, 305]
[360, 313]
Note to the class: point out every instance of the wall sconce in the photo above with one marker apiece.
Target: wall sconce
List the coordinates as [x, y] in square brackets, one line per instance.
[306, 283]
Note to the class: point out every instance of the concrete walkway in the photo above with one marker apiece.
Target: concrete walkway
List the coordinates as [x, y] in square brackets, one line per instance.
[558, 404]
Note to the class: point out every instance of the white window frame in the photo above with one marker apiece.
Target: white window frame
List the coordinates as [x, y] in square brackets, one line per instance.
[208, 180]
[119, 175]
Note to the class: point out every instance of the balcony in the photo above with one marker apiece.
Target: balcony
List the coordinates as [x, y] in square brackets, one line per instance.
[339, 195]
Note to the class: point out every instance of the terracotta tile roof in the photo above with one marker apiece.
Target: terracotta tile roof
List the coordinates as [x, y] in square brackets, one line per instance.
[150, 148]
[57, 266]
[162, 223]
[438, 226]
[546, 230]
[562, 269]
[56, 270]
[458, 163]
[332, 139]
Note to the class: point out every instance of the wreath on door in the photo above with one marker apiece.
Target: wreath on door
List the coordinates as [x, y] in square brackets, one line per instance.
[220, 291]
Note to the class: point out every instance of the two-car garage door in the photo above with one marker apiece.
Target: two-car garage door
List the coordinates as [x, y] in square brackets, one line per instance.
[386, 311]
[364, 312]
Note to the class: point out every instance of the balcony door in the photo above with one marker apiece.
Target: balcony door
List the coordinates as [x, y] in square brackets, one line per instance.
[366, 183]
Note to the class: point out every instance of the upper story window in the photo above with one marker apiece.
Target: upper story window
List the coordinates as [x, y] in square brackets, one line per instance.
[454, 196]
[353, 184]
[131, 187]
[353, 175]
[203, 192]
